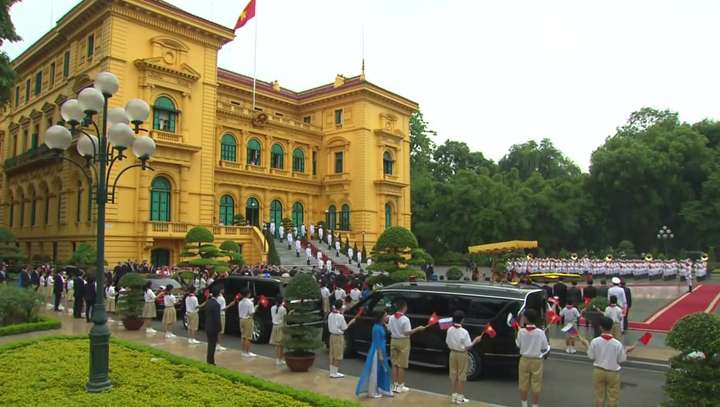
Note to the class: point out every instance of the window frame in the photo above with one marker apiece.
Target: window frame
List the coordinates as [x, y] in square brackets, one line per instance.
[331, 218]
[38, 83]
[388, 215]
[157, 214]
[277, 157]
[388, 163]
[344, 217]
[52, 75]
[171, 111]
[339, 159]
[90, 45]
[339, 117]
[298, 163]
[227, 208]
[66, 64]
[228, 147]
[254, 155]
[27, 90]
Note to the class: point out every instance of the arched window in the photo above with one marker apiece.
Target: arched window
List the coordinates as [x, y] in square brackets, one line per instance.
[164, 114]
[276, 215]
[252, 212]
[298, 215]
[227, 210]
[298, 160]
[345, 217]
[253, 152]
[160, 200]
[388, 215]
[331, 221]
[228, 148]
[388, 163]
[276, 156]
[33, 209]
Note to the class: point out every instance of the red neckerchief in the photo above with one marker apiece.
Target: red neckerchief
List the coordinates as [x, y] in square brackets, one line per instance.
[613, 305]
[530, 327]
[607, 337]
[457, 325]
[192, 294]
[569, 306]
[335, 311]
[398, 314]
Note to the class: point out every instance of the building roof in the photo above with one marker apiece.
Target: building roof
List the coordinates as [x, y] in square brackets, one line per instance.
[498, 290]
[305, 95]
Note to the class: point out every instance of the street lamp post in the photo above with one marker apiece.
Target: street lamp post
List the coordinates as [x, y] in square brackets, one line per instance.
[664, 235]
[100, 152]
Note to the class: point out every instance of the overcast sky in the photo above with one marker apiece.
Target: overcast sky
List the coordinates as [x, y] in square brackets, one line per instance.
[489, 73]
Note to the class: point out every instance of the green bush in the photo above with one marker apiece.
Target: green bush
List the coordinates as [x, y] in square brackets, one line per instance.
[693, 382]
[598, 304]
[303, 328]
[405, 274]
[696, 332]
[141, 375]
[451, 259]
[199, 234]
[454, 273]
[42, 324]
[18, 305]
[230, 246]
[131, 302]
[396, 237]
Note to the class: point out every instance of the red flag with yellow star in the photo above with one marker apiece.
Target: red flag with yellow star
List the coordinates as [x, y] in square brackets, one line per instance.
[247, 13]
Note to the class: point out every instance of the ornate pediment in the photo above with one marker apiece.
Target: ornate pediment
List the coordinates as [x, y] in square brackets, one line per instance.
[160, 65]
[169, 57]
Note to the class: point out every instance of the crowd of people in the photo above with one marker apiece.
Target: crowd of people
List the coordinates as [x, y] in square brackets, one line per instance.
[652, 269]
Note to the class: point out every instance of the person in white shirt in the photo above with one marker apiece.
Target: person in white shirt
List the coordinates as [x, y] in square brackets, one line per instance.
[533, 346]
[328, 265]
[149, 309]
[607, 353]
[308, 254]
[298, 247]
[281, 234]
[191, 310]
[570, 315]
[169, 313]
[355, 294]
[223, 307]
[302, 231]
[312, 232]
[340, 294]
[320, 233]
[618, 292]
[350, 255]
[615, 313]
[246, 312]
[459, 343]
[337, 248]
[336, 327]
[400, 332]
[277, 314]
[290, 240]
[110, 298]
[325, 295]
[69, 298]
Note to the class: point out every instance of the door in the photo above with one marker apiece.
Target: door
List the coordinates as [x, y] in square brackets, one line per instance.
[252, 212]
[160, 257]
[276, 216]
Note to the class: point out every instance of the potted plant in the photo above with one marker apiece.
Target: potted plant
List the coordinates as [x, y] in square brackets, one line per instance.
[594, 310]
[303, 329]
[131, 300]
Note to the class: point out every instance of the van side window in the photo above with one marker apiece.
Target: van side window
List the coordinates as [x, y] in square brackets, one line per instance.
[485, 309]
[270, 290]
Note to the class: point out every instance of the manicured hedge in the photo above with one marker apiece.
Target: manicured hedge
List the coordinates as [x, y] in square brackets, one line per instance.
[41, 325]
[141, 375]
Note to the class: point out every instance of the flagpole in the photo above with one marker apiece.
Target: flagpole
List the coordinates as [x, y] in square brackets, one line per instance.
[255, 59]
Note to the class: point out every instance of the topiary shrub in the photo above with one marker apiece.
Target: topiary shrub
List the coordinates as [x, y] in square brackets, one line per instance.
[273, 257]
[692, 380]
[199, 234]
[132, 299]
[303, 330]
[396, 237]
[230, 246]
[454, 273]
[18, 305]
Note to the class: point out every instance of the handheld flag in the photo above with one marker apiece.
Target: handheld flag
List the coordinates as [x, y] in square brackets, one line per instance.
[512, 321]
[433, 319]
[360, 312]
[237, 297]
[587, 301]
[645, 339]
[570, 330]
[489, 331]
[552, 317]
[247, 13]
[264, 301]
[445, 323]
[206, 293]
[554, 300]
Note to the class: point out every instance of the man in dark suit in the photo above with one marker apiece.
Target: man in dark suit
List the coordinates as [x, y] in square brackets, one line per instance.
[603, 289]
[78, 291]
[574, 296]
[212, 325]
[628, 297]
[58, 288]
[560, 291]
[35, 279]
[589, 291]
[89, 295]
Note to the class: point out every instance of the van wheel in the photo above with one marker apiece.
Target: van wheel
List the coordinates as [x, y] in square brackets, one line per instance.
[261, 332]
[475, 366]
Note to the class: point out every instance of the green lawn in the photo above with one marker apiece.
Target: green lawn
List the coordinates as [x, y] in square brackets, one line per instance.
[53, 371]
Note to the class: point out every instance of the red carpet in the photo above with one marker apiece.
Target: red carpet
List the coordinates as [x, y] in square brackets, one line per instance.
[704, 298]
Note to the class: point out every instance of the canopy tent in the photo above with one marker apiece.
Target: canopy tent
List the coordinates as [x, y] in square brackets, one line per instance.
[553, 277]
[504, 246]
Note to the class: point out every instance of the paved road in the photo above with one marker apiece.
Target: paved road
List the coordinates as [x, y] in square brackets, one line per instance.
[567, 379]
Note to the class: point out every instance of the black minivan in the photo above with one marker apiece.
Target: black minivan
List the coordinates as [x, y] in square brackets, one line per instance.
[482, 303]
[270, 287]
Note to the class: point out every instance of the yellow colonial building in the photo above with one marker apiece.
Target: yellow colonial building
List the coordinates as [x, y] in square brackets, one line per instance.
[337, 153]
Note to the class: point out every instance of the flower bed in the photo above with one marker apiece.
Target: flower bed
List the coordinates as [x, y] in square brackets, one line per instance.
[41, 325]
[54, 370]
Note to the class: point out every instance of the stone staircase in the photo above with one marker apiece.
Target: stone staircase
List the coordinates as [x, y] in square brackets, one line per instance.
[288, 258]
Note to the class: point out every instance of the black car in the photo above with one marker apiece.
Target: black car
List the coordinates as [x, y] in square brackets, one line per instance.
[270, 287]
[482, 303]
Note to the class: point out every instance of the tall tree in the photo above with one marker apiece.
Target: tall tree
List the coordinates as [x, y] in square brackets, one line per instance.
[7, 33]
[543, 158]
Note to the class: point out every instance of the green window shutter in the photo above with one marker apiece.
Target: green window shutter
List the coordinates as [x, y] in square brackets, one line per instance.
[339, 163]
[298, 160]
[276, 156]
[160, 200]
[90, 45]
[331, 217]
[34, 141]
[388, 216]
[66, 64]
[227, 210]
[253, 152]
[298, 215]
[228, 148]
[345, 217]
[47, 209]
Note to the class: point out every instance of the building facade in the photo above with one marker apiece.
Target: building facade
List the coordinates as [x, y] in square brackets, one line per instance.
[338, 153]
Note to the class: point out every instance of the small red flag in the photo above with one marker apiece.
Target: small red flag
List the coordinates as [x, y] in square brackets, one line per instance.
[264, 301]
[206, 293]
[237, 297]
[552, 317]
[645, 339]
[489, 331]
[515, 324]
[247, 13]
[587, 300]
[433, 319]
[360, 312]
